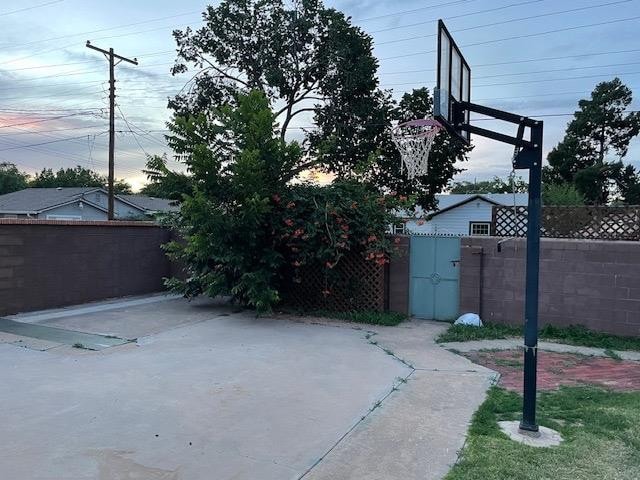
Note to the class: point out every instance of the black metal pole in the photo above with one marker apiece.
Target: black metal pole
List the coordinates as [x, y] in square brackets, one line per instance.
[534, 210]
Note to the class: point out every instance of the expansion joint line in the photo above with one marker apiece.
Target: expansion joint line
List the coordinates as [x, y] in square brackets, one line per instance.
[394, 388]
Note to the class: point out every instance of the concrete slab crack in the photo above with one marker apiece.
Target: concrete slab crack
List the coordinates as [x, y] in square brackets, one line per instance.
[394, 388]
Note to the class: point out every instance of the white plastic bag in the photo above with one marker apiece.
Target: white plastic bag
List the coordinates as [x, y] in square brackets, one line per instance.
[469, 319]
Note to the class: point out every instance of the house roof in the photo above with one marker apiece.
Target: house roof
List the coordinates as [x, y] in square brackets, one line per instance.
[151, 204]
[449, 201]
[35, 200]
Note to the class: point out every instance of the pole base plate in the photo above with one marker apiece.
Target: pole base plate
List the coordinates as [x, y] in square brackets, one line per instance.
[544, 437]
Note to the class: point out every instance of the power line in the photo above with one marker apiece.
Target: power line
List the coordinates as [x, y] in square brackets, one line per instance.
[557, 70]
[531, 60]
[403, 12]
[129, 127]
[554, 79]
[540, 59]
[43, 143]
[516, 37]
[41, 132]
[502, 22]
[46, 110]
[545, 115]
[419, 82]
[2, 14]
[40, 121]
[451, 17]
[91, 32]
[81, 72]
[142, 55]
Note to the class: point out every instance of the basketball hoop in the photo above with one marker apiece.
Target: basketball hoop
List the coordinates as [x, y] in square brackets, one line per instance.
[413, 140]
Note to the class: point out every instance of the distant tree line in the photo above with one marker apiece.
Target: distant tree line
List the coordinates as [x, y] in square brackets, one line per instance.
[12, 179]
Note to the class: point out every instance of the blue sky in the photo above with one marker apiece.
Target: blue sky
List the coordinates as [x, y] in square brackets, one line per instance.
[531, 80]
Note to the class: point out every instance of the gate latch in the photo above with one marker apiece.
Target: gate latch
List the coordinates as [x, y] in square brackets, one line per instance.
[455, 262]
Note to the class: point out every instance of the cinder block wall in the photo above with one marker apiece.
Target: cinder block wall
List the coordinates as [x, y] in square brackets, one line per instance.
[582, 282]
[47, 264]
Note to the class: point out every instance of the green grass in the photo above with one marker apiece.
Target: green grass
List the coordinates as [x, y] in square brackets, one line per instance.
[578, 335]
[369, 317]
[508, 362]
[573, 335]
[466, 333]
[601, 432]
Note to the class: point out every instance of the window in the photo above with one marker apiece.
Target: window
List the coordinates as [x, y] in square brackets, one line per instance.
[399, 228]
[480, 228]
[64, 217]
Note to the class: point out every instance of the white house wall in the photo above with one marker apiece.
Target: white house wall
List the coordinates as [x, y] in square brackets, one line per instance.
[455, 221]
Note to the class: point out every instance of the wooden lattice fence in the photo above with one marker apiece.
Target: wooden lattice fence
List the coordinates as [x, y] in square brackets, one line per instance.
[354, 284]
[582, 222]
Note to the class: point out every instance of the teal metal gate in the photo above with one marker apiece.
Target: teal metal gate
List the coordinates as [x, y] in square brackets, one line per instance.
[434, 270]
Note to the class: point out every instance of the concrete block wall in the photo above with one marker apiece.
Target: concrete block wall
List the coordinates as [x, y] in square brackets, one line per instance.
[48, 264]
[582, 282]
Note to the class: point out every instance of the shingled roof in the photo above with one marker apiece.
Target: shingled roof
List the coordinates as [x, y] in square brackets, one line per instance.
[35, 200]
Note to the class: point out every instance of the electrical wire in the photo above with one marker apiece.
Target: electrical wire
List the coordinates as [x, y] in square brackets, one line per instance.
[502, 22]
[90, 32]
[517, 37]
[129, 127]
[41, 120]
[42, 143]
[414, 10]
[33, 7]
[451, 17]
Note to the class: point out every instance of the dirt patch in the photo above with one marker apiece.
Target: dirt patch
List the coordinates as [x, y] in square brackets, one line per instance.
[556, 369]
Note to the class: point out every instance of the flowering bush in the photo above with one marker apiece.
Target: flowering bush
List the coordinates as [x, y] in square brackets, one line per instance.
[319, 225]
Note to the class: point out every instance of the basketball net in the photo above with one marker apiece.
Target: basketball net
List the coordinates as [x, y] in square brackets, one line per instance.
[414, 140]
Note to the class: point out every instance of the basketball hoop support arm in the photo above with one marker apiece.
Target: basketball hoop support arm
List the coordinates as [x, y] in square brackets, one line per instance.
[529, 157]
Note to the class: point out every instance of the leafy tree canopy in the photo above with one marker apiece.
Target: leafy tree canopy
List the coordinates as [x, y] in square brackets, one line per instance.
[246, 229]
[75, 177]
[313, 66]
[163, 182]
[12, 179]
[496, 185]
[601, 126]
[561, 194]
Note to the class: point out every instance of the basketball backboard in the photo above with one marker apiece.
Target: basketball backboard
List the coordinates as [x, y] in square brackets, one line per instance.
[453, 84]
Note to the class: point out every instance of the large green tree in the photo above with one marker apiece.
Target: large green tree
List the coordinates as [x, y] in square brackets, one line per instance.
[12, 179]
[600, 127]
[561, 194]
[628, 182]
[314, 67]
[383, 168]
[164, 182]
[75, 177]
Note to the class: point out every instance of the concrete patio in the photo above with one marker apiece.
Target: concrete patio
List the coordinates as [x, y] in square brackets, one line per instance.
[206, 393]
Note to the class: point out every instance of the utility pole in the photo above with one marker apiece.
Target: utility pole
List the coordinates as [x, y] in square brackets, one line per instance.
[112, 105]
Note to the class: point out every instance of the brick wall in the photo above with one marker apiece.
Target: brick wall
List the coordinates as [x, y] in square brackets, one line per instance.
[582, 282]
[46, 264]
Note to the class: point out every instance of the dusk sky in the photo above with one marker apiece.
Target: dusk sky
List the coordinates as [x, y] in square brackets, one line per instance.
[533, 57]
